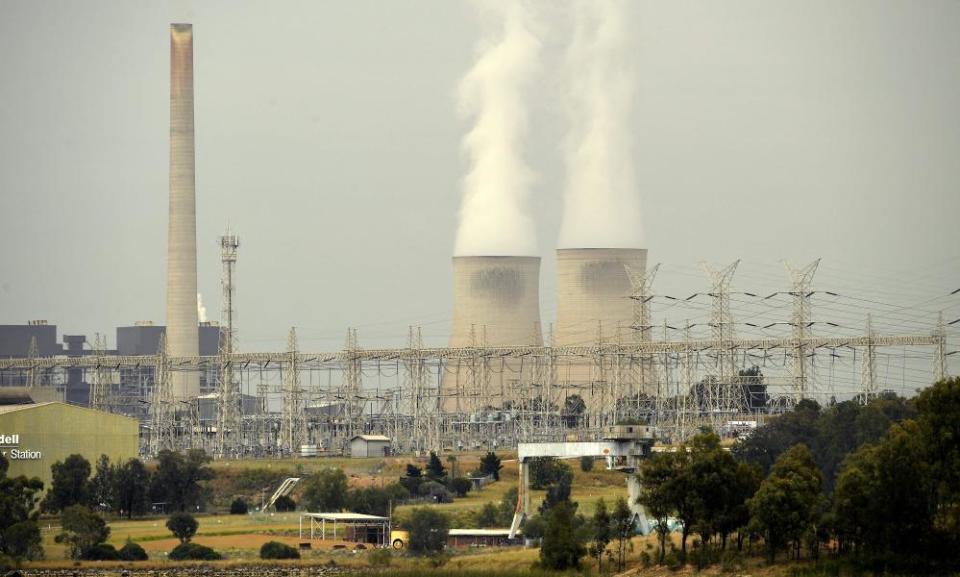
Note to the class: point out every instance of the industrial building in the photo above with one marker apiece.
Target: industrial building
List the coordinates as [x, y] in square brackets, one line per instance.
[127, 388]
[369, 446]
[35, 436]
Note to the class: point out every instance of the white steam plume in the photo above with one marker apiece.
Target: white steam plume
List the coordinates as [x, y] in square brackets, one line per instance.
[201, 310]
[494, 219]
[602, 204]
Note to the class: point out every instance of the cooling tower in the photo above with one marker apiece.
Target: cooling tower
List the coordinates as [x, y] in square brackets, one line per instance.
[498, 299]
[593, 291]
[182, 331]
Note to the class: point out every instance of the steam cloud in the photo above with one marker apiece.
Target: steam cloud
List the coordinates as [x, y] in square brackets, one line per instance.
[602, 205]
[201, 310]
[494, 219]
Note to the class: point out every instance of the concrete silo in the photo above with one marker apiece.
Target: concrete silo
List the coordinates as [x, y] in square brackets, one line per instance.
[182, 331]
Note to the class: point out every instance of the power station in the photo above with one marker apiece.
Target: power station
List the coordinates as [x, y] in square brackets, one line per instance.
[497, 383]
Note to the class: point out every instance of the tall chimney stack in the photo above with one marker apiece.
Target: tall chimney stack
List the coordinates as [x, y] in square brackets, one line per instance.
[182, 332]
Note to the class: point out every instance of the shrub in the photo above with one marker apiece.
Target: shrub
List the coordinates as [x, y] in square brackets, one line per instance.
[428, 530]
[183, 526]
[193, 552]
[379, 558]
[132, 552]
[285, 503]
[672, 561]
[586, 463]
[82, 530]
[731, 561]
[278, 550]
[7, 563]
[461, 486]
[101, 552]
[438, 492]
[238, 507]
[645, 559]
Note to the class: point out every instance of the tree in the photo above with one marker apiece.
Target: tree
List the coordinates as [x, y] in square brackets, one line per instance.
[767, 443]
[622, 524]
[559, 491]
[435, 468]
[22, 541]
[586, 463]
[82, 529]
[239, 507]
[561, 548]
[939, 424]
[545, 471]
[602, 533]
[735, 515]
[659, 491]
[461, 486]
[18, 500]
[326, 490]
[490, 465]
[179, 479]
[784, 506]
[573, 409]
[102, 485]
[428, 530]
[488, 516]
[376, 500]
[70, 486]
[411, 481]
[183, 526]
[131, 488]
[284, 503]
[508, 506]
[713, 481]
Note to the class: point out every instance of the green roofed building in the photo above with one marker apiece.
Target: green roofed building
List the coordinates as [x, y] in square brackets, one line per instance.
[35, 436]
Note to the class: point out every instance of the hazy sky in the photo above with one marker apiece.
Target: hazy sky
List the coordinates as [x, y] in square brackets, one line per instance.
[328, 136]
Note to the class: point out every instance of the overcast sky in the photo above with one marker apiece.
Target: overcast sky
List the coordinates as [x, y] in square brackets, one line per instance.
[328, 137]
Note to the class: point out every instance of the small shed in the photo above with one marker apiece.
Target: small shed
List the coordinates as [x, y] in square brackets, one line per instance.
[482, 538]
[369, 446]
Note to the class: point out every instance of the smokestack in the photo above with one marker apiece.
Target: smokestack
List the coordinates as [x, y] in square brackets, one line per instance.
[593, 287]
[498, 298]
[182, 333]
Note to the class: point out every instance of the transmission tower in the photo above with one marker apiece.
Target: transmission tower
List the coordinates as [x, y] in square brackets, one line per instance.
[292, 424]
[868, 372]
[724, 401]
[228, 399]
[100, 387]
[940, 353]
[161, 404]
[801, 368]
[351, 396]
[33, 376]
[641, 283]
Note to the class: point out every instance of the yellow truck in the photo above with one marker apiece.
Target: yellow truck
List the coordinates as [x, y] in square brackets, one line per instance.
[399, 538]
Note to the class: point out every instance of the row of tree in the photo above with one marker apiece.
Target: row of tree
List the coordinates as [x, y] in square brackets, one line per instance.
[882, 484]
[129, 488]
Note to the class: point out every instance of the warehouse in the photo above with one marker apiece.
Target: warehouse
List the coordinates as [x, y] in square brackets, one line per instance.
[35, 436]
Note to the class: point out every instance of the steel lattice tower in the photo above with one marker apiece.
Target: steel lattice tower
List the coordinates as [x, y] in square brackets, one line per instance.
[292, 424]
[229, 430]
[801, 368]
